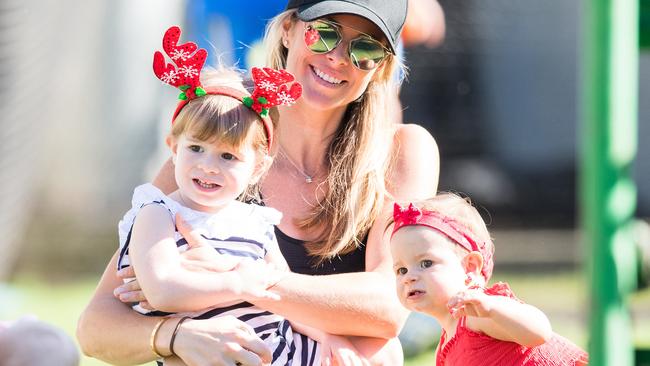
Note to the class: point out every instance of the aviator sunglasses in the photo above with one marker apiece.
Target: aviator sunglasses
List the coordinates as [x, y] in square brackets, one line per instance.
[323, 36]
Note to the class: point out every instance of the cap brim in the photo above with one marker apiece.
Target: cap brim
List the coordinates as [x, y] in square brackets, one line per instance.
[320, 9]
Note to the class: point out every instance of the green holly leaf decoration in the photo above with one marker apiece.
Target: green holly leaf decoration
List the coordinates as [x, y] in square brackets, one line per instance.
[184, 87]
[182, 96]
[199, 92]
[262, 100]
[264, 113]
[248, 101]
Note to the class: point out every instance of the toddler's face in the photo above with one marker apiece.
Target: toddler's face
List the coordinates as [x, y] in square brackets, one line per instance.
[211, 175]
[427, 269]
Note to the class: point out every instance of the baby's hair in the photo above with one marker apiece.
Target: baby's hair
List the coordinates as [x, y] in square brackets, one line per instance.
[462, 212]
[223, 119]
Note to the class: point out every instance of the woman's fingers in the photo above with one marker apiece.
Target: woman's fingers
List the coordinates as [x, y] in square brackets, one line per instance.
[247, 340]
[145, 305]
[220, 341]
[246, 358]
[254, 346]
[130, 292]
[326, 358]
[194, 239]
[126, 273]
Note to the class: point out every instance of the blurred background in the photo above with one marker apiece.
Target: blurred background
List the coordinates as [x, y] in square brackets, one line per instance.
[84, 120]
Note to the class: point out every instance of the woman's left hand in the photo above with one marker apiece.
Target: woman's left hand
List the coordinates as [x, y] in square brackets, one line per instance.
[339, 351]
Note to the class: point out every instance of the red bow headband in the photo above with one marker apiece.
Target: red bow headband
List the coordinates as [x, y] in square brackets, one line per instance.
[270, 85]
[459, 234]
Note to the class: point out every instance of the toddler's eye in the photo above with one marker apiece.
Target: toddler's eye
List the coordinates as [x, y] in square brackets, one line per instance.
[195, 148]
[426, 263]
[228, 156]
[401, 271]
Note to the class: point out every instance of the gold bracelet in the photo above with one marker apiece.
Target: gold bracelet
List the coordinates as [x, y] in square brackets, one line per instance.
[152, 338]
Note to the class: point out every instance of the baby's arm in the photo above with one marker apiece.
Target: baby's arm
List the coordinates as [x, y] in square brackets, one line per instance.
[501, 317]
[166, 284]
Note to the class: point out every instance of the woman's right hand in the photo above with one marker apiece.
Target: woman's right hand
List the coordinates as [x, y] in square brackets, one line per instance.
[220, 341]
[200, 256]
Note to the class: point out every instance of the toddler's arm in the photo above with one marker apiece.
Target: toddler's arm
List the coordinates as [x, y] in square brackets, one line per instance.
[501, 317]
[167, 284]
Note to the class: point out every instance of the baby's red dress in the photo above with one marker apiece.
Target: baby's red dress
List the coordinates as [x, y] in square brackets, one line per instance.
[470, 348]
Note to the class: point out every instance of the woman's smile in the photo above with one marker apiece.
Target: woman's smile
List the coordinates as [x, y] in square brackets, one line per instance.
[331, 80]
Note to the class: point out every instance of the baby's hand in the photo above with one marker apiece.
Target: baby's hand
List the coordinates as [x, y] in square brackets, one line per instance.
[338, 351]
[470, 302]
[256, 278]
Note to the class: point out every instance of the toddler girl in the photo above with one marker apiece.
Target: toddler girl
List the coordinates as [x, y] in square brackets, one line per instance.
[442, 257]
[220, 141]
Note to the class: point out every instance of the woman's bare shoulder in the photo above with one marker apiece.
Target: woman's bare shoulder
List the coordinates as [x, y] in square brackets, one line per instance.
[417, 163]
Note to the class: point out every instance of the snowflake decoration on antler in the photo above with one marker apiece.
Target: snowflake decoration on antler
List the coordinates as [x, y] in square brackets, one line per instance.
[272, 89]
[188, 64]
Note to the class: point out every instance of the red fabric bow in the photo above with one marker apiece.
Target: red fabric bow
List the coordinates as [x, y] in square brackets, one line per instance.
[406, 216]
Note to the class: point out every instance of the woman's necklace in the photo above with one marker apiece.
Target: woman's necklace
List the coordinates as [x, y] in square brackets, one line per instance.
[308, 177]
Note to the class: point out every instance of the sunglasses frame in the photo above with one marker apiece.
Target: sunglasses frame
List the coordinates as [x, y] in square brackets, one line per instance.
[363, 36]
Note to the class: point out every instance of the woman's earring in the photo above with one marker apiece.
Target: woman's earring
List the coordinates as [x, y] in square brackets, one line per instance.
[285, 43]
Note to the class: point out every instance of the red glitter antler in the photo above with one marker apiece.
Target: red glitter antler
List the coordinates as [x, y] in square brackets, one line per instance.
[271, 89]
[189, 61]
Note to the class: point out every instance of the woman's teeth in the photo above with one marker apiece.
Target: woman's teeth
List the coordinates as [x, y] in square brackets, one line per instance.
[324, 76]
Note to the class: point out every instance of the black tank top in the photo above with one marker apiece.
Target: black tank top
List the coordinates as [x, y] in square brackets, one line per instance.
[300, 262]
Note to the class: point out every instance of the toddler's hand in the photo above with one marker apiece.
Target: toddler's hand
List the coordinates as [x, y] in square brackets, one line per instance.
[470, 302]
[338, 351]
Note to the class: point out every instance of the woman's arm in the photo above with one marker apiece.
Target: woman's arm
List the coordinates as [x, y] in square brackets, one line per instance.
[113, 332]
[106, 324]
[365, 303]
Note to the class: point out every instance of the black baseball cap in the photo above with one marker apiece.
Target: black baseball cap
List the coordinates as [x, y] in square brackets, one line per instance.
[388, 15]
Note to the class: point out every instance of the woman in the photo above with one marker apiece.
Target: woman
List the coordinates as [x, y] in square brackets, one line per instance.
[340, 162]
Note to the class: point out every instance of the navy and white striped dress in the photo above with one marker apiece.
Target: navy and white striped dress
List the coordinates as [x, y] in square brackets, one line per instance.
[240, 230]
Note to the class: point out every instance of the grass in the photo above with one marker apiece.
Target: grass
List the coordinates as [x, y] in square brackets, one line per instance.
[561, 295]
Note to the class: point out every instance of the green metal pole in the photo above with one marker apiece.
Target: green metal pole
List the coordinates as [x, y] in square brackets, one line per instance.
[608, 193]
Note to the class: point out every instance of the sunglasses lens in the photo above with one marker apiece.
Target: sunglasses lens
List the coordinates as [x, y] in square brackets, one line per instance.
[366, 54]
[321, 37]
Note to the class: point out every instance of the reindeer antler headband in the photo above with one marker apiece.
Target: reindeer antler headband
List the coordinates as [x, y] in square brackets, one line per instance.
[271, 86]
[411, 215]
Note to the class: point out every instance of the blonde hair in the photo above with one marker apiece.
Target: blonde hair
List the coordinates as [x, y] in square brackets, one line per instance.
[223, 119]
[359, 157]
